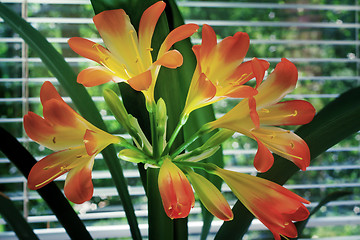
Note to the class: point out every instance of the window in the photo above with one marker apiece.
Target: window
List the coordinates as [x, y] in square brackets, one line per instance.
[321, 37]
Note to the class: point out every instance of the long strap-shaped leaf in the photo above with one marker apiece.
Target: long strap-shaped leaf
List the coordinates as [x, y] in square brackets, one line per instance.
[66, 76]
[14, 218]
[336, 121]
[51, 194]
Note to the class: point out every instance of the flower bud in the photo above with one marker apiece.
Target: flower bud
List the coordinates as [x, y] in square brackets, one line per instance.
[175, 190]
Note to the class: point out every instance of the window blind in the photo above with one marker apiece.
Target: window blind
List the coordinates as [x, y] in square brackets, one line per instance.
[322, 39]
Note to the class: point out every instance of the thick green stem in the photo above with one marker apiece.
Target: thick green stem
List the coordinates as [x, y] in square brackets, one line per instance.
[160, 225]
[181, 229]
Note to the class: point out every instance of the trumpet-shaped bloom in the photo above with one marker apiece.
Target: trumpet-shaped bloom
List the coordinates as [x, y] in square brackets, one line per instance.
[210, 196]
[128, 55]
[275, 206]
[175, 190]
[220, 70]
[76, 141]
[258, 124]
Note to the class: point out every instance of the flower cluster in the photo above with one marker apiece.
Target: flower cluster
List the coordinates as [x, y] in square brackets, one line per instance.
[220, 73]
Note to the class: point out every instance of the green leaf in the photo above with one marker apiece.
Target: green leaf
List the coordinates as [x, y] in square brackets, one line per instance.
[329, 198]
[51, 194]
[80, 97]
[14, 218]
[336, 121]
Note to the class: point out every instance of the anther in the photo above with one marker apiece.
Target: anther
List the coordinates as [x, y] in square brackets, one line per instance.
[53, 140]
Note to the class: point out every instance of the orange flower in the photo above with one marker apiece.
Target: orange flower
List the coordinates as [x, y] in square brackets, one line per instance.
[76, 141]
[258, 124]
[275, 206]
[175, 190]
[220, 71]
[128, 55]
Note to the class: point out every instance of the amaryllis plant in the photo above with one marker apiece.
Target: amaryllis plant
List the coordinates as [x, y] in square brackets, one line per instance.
[176, 171]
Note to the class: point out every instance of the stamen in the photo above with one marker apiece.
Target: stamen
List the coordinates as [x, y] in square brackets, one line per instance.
[53, 140]
[138, 57]
[241, 79]
[62, 170]
[285, 153]
[109, 63]
[126, 71]
[284, 237]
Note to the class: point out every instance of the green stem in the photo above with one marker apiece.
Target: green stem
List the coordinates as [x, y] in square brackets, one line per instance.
[160, 225]
[193, 138]
[180, 124]
[181, 229]
[209, 167]
[154, 136]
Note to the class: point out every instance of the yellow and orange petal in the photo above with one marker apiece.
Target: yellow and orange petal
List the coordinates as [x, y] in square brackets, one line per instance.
[94, 76]
[275, 206]
[201, 93]
[211, 197]
[279, 83]
[248, 70]
[37, 128]
[176, 35]
[285, 144]
[60, 114]
[78, 186]
[225, 57]
[96, 141]
[263, 159]
[208, 43]
[146, 30]
[56, 164]
[170, 59]
[175, 190]
[119, 36]
[141, 81]
[48, 92]
[88, 49]
[295, 112]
